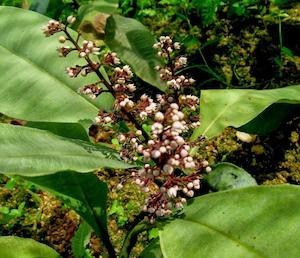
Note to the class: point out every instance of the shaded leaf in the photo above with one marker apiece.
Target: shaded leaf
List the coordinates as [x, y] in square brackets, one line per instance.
[16, 247]
[31, 152]
[259, 221]
[227, 176]
[133, 43]
[223, 108]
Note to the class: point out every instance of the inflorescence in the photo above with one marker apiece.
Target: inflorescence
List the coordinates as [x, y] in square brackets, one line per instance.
[166, 167]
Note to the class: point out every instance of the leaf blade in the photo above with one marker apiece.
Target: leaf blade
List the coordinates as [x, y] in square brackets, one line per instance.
[31, 152]
[223, 108]
[34, 86]
[15, 247]
[247, 222]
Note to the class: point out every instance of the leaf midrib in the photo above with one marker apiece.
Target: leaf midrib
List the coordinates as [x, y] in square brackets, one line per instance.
[30, 62]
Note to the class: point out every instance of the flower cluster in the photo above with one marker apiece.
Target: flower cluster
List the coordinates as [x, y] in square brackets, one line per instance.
[53, 27]
[88, 47]
[166, 156]
[158, 127]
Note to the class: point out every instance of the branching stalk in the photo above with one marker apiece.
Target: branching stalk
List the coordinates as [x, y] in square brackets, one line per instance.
[108, 86]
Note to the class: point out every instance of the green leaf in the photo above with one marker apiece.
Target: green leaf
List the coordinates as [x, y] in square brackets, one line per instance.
[84, 193]
[16, 247]
[81, 239]
[259, 221]
[69, 130]
[223, 108]
[152, 250]
[227, 176]
[133, 43]
[34, 86]
[32, 152]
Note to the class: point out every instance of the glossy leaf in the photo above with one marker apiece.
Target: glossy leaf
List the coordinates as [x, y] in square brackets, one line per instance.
[227, 176]
[223, 108]
[31, 152]
[34, 86]
[84, 193]
[17, 247]
[259, 221]
[133, 43]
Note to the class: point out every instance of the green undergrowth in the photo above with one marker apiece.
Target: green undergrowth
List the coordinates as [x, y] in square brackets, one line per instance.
[230, 44]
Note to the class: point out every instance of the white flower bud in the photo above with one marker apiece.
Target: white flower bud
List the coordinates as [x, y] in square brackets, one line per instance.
[190, 193]
[205, 163]
[159, 116]
[82, 54]
[151, 142]
[163, 149]
[122, 138]
[184, 153]
[175, 118]
[168, 169]
[155, 172]
[71, 19]
[190, 185]
[107, 119]
[155, 154]
[172, 192]
[138, 132]
[62, 39]
[174, 106]
[208, 169]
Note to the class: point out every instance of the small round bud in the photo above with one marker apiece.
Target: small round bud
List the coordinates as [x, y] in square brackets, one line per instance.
[168, 169]
[107, 119]
[159, 116]
[62, 39]
[71, 19]
[172, 192]
[208, 169]
[155, 154]
[138, 132]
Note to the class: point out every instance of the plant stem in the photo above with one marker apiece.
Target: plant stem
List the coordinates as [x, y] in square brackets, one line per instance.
[109, 87]
[281, 45]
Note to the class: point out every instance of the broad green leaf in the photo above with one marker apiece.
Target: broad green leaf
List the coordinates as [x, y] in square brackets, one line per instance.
[17, 247]
[223, 108]
[34, 86]
[152, 250]
[68, 130]
[81, 239]
[253, 222]
[32, 152]
[133, 43]
[84, 193]
[227, 176]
